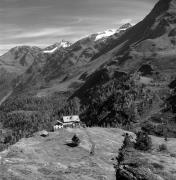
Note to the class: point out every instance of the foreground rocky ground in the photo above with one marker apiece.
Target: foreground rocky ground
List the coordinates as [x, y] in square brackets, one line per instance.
[50, 158]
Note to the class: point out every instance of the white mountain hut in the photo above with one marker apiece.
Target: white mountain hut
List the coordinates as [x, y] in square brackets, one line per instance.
[71, 121]
[67, 121]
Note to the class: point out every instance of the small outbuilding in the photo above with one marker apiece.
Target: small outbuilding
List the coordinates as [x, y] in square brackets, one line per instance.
[44, 133]
[58, 125]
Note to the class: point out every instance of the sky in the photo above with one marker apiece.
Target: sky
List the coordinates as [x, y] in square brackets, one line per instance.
[44, 22]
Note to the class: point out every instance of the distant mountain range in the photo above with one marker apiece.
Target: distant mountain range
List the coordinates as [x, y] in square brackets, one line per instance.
[127, 48]
[17, 60]
[151, 42]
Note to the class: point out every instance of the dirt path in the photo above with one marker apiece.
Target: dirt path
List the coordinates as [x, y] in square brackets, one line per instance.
[92, 150]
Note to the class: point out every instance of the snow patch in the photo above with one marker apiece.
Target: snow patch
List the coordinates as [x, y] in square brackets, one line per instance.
[51, 51]
[65, 44]
[111, 32]
[106, 33]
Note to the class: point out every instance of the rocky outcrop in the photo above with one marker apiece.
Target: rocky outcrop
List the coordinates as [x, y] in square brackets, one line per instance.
[126, 172]
[136, 166]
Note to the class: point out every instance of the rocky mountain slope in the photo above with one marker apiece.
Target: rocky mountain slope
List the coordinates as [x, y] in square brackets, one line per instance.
[146, 52]
[18, 59]
[150, 43]
[64, 66]
[14, 63]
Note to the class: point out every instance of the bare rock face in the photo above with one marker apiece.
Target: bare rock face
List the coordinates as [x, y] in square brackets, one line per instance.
[131, 173]
[20, 58]
[14, 63]
[126, 26]
[135, 166]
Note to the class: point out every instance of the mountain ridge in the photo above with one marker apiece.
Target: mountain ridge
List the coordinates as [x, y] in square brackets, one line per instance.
[56, 46]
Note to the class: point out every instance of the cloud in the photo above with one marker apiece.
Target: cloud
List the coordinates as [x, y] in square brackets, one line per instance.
[16, 36]
[44, 32]
[124, 21]
[10, 1]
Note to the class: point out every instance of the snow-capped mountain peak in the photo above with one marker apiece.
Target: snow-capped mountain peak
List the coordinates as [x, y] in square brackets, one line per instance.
[51, 50]
[54, 47]
[110, 32]
[104, 34]
[65, 44]
[98, 36]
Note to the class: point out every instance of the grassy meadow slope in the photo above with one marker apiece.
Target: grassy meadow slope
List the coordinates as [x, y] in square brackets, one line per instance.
[50, 157]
